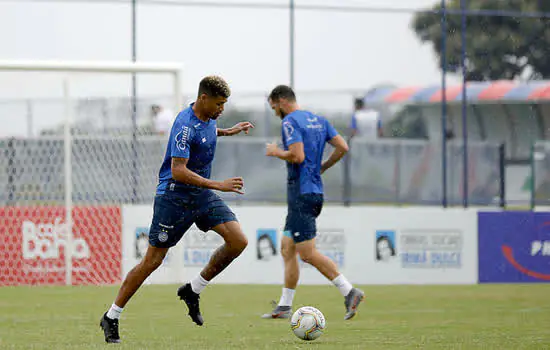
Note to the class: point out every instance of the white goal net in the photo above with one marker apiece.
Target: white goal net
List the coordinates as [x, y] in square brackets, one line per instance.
[75, 146]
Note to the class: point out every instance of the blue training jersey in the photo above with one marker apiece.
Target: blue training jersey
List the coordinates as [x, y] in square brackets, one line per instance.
[189, 138]
[314, 132]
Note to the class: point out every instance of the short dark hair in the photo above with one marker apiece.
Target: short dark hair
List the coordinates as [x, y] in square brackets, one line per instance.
[214, 86]
[359, 103]
[282, 91]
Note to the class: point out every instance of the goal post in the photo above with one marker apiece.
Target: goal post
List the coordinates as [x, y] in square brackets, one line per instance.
[47, 234]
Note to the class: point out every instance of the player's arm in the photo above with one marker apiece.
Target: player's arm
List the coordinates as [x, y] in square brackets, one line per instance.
[181, 151]
[293, 138]
[340, 148]
[295, 153]
[236, 129]
[182, 174]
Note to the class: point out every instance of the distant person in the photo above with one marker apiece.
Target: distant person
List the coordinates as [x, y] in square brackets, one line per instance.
[365, 122]
[162, 119]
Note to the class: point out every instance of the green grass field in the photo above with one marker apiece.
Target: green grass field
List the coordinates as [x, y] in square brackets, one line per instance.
[392, 317]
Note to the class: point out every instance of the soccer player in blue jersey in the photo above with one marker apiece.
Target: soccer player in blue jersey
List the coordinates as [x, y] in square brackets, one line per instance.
[184, 197]
[304, 138]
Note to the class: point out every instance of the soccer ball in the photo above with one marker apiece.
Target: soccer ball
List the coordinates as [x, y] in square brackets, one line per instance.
[308, 323]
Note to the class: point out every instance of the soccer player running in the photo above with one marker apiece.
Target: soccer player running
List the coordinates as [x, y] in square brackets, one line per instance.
[184, 196]
[304, 137]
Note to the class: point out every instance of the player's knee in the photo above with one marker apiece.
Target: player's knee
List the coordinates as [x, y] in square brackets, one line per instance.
[287, 252]
[307, 255]
[238, 242]
[153, 262]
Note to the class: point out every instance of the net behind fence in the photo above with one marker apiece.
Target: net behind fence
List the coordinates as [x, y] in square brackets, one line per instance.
[111, 171]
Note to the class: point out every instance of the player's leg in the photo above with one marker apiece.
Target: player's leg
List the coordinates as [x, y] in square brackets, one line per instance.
[292, 269]
[135, 278]
[305, 231]
[235, 243]
[292, 274]
[219, 218]
[166, 230]
[309, 254]
[353, 296]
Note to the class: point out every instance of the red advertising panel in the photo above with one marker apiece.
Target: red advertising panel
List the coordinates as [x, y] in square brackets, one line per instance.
[33, 241]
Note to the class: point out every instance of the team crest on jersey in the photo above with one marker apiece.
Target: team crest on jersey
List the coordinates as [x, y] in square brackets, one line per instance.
[288, 130]
[163, 237]
[181, 138]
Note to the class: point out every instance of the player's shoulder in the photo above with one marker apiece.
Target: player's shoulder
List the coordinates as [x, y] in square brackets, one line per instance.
[313, 118]
[183, 124]
[184, 116]
[301, 117]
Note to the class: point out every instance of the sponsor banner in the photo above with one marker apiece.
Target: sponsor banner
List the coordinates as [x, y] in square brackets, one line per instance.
[369, 246]
[424, 246]
[514, 247]
[198, 247]
[33, 243]
[421, 248]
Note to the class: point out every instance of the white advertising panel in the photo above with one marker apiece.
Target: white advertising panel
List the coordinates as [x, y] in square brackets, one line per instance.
[369, 245]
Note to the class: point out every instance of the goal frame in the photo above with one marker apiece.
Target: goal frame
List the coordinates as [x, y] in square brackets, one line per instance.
[112, 67]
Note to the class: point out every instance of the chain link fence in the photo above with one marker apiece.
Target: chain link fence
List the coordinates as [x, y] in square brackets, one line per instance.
[116, 171]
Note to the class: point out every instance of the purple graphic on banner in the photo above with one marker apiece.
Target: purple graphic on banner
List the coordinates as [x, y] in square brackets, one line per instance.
[514, 247]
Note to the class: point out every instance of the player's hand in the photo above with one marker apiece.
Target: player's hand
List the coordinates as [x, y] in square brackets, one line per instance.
[234, 184]
[271, 149]
[243, 126]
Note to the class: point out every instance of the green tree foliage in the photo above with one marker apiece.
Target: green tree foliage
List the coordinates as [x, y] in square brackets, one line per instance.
[497, 47]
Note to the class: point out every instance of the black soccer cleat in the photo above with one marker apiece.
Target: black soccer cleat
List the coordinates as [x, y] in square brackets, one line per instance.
[352, 301]
[110, 328]
[192, 300]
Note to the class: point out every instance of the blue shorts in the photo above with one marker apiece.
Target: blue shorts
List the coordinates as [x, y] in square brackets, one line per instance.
[174, 214]
[302, 216]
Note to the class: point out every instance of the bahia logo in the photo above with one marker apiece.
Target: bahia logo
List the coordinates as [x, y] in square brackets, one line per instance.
[44, 241]
[531, 258]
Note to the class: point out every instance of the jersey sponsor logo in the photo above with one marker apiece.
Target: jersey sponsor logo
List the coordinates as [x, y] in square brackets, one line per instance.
[314, 126]
[181, 138]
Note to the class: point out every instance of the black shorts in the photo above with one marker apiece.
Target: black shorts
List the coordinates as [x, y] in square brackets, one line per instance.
[301, 220]
[174, 214]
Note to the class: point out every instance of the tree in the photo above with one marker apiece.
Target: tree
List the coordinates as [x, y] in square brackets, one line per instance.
[497, 47]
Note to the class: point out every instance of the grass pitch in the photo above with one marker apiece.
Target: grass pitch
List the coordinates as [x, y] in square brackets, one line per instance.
[392, 317]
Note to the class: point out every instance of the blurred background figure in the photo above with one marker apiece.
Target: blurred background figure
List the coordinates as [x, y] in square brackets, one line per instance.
[365, 122]
[162, 119]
